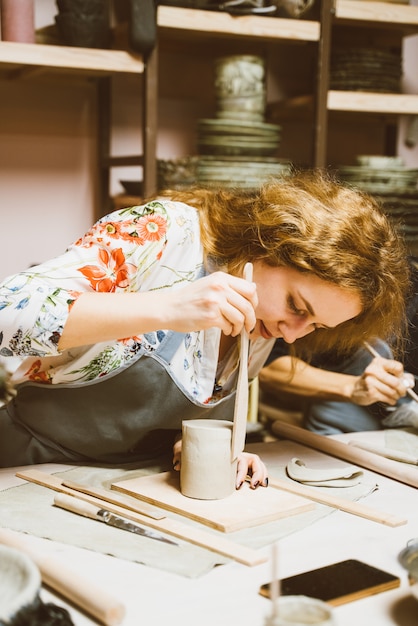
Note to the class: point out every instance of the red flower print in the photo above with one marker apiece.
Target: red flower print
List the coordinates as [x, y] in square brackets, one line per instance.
[35, 374]
[151, 227]
[122, 230]
[112, 273]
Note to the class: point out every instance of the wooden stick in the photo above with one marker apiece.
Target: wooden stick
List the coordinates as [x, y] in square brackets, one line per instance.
[69, 583]
[239, 427]
[59, 484]
[109, 496]
[392, 469]
[225, 547]
[337, 503]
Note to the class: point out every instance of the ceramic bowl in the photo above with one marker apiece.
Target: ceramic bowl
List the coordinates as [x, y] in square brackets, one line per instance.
[379, 161]
[20, 583]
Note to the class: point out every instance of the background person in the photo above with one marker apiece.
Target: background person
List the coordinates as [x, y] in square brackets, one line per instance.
[354, 393]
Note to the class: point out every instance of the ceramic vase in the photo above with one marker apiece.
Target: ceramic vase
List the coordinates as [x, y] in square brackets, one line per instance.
[18, 21]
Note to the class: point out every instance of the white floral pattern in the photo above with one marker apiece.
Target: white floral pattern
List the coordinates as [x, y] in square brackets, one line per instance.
[141, 248]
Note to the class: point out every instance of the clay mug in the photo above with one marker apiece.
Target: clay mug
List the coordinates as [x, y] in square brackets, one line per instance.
[207, 470]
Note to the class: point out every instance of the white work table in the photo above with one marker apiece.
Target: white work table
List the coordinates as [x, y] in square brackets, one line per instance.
[229, 594]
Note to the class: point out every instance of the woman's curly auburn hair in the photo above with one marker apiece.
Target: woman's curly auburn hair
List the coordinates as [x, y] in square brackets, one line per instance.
[312, 223]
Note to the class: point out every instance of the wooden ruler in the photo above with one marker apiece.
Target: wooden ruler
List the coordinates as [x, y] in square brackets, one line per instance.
[338, 503]
[239, 427]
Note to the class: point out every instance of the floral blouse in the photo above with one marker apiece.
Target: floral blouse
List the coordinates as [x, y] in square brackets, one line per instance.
[140, 248]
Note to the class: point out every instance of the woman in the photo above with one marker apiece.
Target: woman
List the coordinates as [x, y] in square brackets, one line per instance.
[134, 328]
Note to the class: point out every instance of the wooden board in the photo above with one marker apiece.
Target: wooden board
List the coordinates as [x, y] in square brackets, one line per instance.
[243, 509]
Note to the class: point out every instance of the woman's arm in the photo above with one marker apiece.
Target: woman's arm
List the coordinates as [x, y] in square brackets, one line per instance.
[219, 300]
[382, 381]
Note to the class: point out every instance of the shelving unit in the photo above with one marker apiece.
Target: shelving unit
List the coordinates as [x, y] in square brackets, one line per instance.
[195, 22]
[30, 60]
[377, 13]
[189, 27]
[24, 60]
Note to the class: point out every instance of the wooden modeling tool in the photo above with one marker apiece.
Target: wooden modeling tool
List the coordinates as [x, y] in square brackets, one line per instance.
[411, 393]
[355, 508]
[97, 493]
[275, 589]
[239, 428]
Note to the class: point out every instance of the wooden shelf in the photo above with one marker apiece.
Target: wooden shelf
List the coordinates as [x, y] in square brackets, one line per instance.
[345, 101]
[37, 58]
[179, 21]
[90, 61]
[366, 102]
[377, 14]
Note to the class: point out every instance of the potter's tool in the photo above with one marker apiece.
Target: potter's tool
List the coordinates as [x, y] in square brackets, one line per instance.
[108, 496]
[69, 583]
[392, 469]
[230, 549]
[98, 493]
[70, 503]
[388, 453]
[411, 393]
[275, 587]
[241, 399]
[342, 504]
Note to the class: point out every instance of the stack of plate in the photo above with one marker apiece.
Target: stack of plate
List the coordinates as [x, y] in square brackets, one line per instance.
[239, 172]
[389, 179]
[404, 212]
[231, 137]
[366, 69]
[177, 173]
[396, 187]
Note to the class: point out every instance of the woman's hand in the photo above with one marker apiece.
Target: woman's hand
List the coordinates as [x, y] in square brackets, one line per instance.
[218, 300]
[383, 380]
[177, 455]
[248, 465]
[251, 465]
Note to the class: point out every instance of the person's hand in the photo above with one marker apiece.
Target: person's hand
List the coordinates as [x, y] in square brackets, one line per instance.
[218, 300]
[248, 465]
[177, 454]
[384, 380]
[251, 465]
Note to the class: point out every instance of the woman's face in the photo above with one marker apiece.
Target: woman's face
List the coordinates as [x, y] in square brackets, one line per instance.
[292, 304]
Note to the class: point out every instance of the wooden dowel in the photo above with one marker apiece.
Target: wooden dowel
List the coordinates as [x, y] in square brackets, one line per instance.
[338, 503]
[368, 460]
[241, 398]
[69, 583]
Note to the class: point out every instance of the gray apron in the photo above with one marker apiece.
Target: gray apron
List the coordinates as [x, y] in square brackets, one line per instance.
[119, 418]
